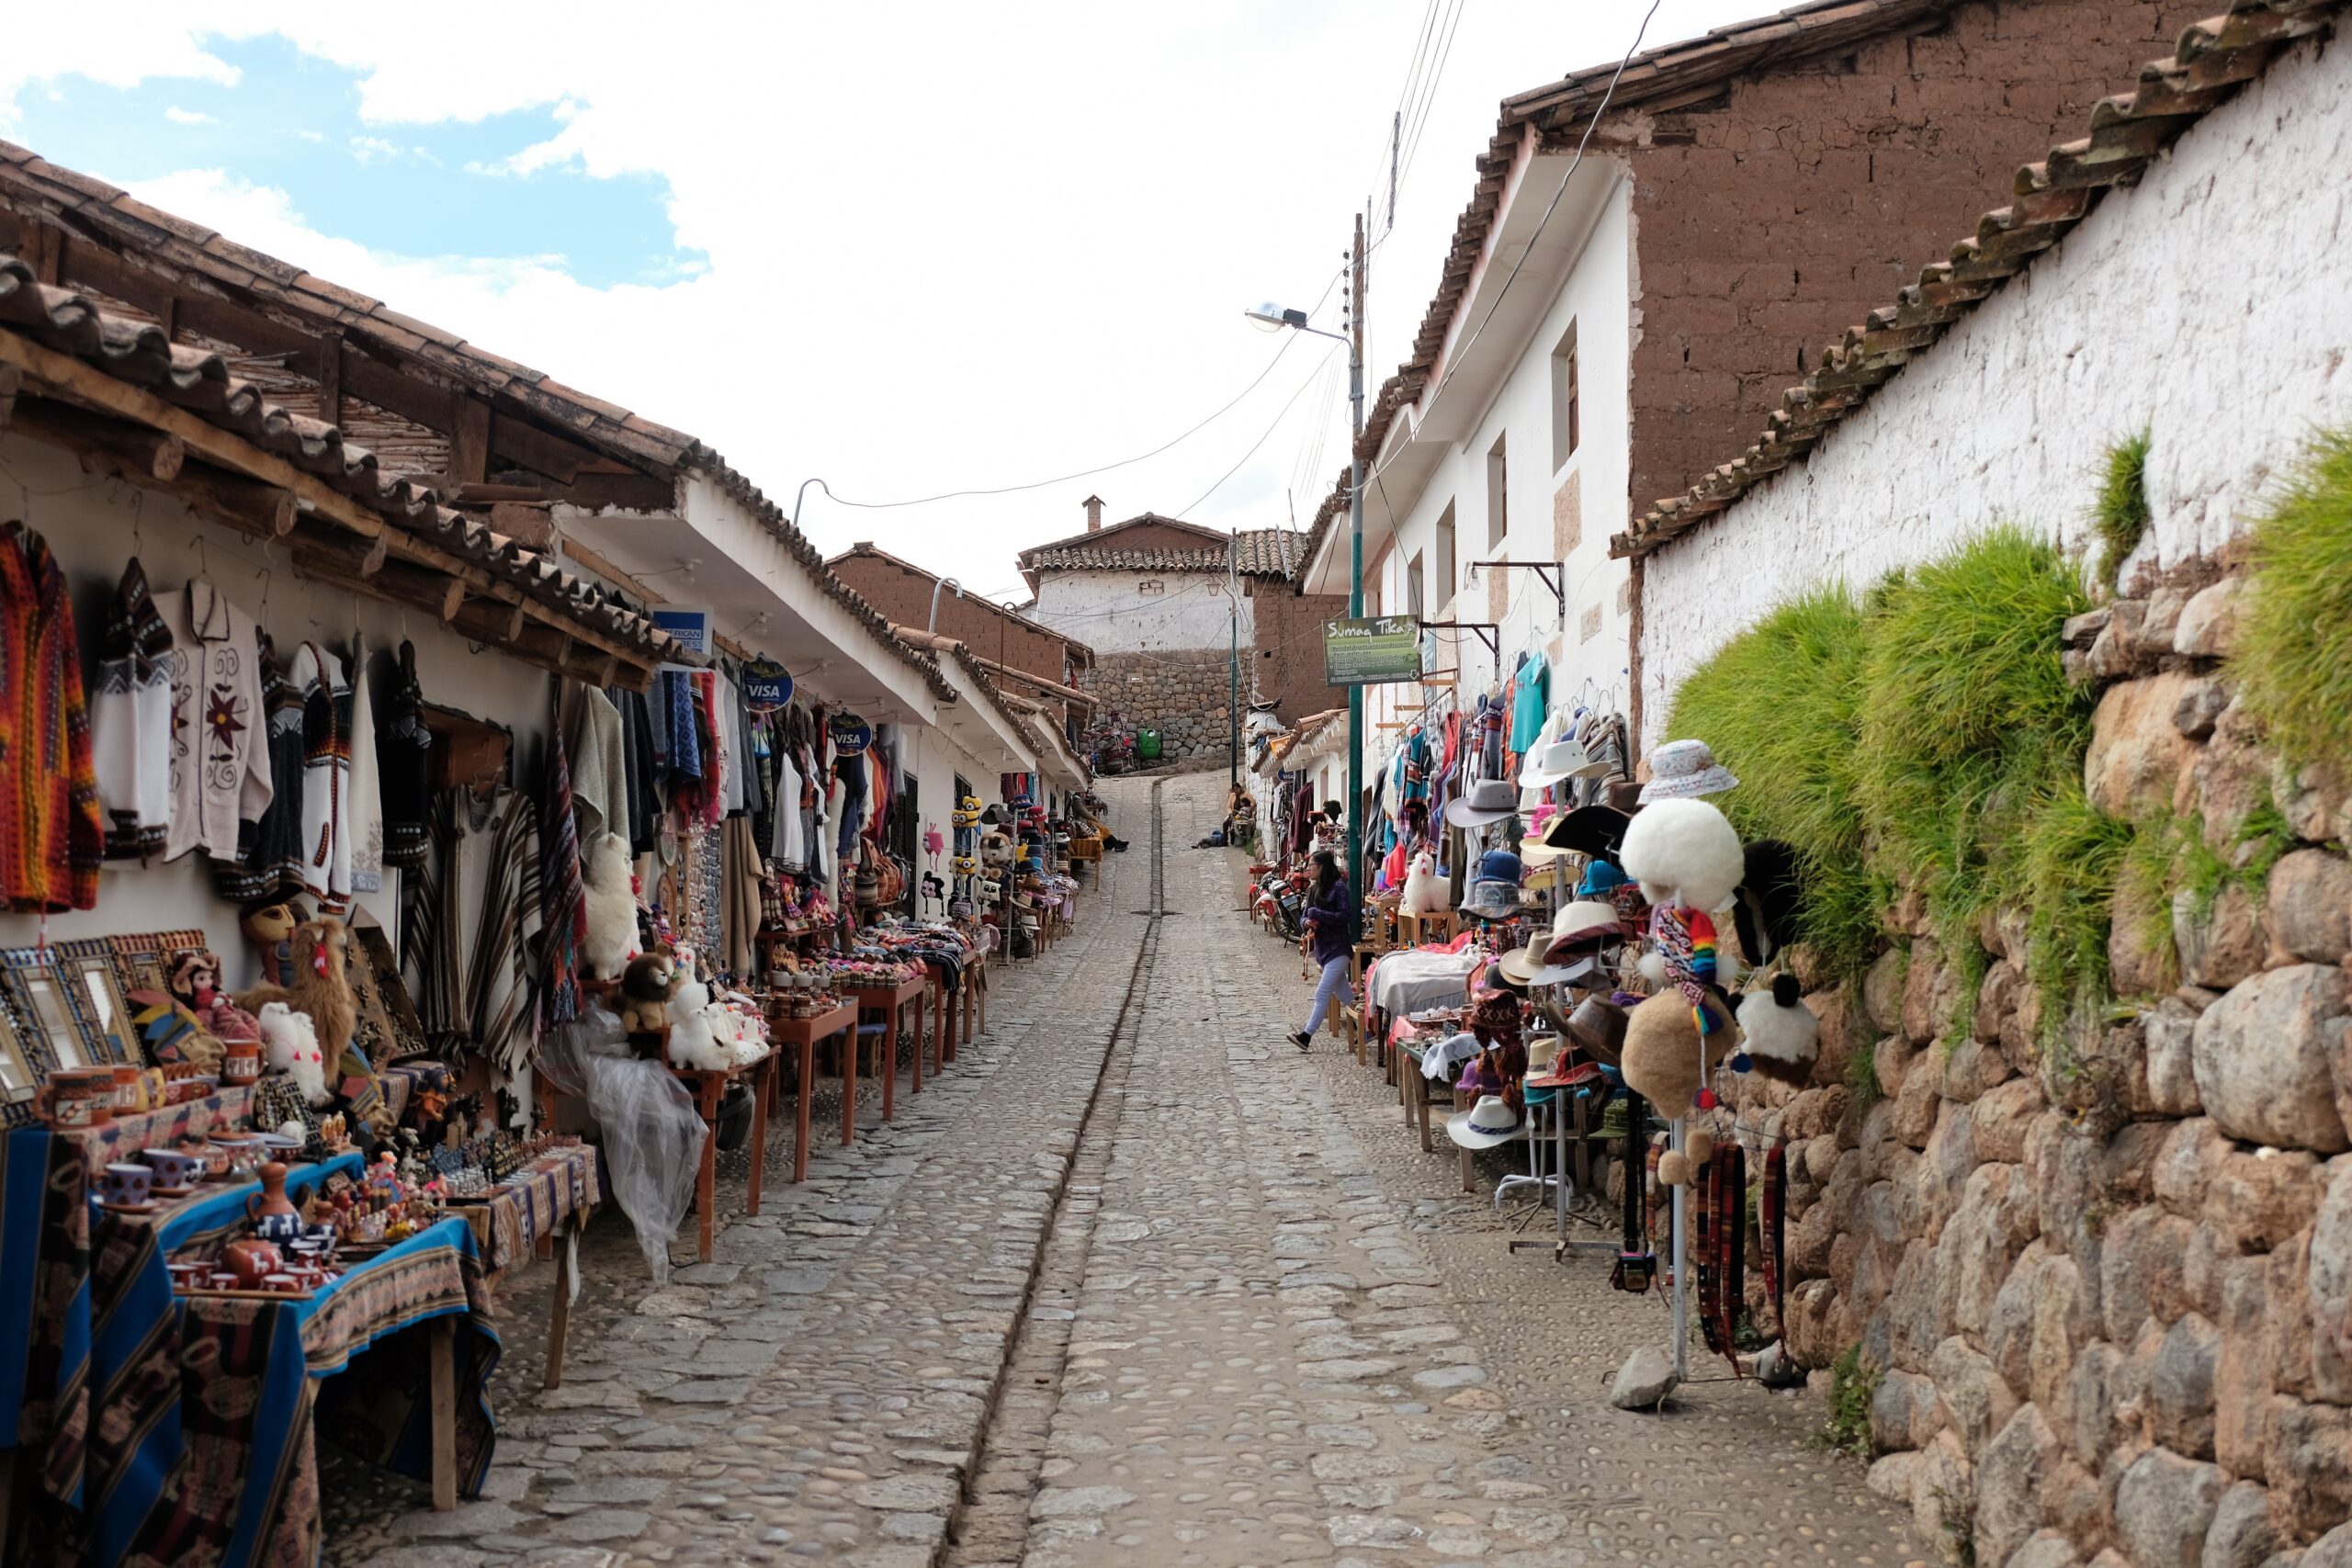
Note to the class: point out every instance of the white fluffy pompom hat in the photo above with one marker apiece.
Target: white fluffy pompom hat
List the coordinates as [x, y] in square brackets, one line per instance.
[1683, 853]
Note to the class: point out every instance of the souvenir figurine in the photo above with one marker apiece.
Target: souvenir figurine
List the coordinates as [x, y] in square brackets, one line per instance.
[291, 1043]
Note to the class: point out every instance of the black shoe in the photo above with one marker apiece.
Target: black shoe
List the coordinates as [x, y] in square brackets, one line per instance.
[1303, 1040]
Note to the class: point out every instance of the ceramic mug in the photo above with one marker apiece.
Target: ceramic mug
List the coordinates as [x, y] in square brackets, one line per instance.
[172, 1168]
[129, 1091]
[124, 1184]
[241, 1065]
[78, 1097]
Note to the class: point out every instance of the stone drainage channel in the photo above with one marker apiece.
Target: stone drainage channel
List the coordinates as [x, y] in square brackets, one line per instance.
[990, 1525]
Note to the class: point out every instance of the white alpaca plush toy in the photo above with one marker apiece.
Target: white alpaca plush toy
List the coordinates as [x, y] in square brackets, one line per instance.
[1684, 854]
[291, 1040]
[693, 1042]
[1425, 890]
[612, 909]
[1783, 1036]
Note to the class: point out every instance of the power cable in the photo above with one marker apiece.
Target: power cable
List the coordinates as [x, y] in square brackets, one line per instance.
[1245, 457]
[1413, 135]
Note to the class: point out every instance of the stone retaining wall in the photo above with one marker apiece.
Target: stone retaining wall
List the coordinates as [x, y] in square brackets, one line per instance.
[2108, 1303]
[1184, 694]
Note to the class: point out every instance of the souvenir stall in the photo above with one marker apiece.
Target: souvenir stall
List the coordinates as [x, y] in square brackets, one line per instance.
[287, 795]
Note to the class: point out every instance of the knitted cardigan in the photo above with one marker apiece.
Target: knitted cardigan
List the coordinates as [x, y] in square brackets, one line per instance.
[53, 831]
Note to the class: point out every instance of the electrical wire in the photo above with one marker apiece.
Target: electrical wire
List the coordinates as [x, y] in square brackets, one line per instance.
[1429, 98]
[1279, 416]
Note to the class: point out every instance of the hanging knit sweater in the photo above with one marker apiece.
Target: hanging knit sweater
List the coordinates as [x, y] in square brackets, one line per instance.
[53, 835]
[401, 749]
[326, 773]
[272, 869]
[130, 721]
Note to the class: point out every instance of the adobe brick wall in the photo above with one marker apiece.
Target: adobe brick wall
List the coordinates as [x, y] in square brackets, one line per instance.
[1770, 219]
[905, 597]
[1288, 668]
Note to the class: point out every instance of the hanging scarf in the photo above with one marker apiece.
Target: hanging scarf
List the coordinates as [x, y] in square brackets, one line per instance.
[1719, 1250]
[1771, 1209]
[563, 899]
[1686, 939]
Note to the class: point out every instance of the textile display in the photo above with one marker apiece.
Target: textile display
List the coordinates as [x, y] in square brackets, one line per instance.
[400, 769]
[130, 721]
[1405, 982]
[53, 839]
[535, 1203]
[271, 867]
[364, 809]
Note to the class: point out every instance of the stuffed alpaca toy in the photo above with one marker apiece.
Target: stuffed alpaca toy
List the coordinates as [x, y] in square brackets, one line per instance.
[645, 993]
[319, 985]
[1425, 890]
[1783, 1037]
[291, 1043]
[612, 909]
[694, 1042]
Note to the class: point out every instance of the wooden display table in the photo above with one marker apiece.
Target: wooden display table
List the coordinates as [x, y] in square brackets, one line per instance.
[803, 1034]
[891, 1001]
[540, 1212]
[1416, 931]
[708, 1086]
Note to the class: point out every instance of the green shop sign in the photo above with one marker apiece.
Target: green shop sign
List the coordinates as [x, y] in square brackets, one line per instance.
[1373, 651]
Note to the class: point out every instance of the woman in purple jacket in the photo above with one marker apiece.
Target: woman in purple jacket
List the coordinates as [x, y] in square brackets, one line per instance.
[1330, 917]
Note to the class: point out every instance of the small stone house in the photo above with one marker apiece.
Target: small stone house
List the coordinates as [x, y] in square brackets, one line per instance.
[1164, 605]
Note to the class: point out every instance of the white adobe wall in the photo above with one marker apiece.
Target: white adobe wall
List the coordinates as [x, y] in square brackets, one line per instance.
[88, 524]
[1110, 612]
[2211, 306]
[1594, 641]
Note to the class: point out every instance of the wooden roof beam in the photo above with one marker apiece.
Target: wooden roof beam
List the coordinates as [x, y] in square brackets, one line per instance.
[105, 445]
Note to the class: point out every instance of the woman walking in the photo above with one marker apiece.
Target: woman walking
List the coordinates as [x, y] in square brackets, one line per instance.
[1331, 919]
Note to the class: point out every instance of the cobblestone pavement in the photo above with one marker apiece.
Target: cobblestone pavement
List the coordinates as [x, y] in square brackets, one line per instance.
[1130, 1282]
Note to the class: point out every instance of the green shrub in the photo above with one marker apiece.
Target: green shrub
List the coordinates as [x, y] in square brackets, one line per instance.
[1851, 1388]
[2120, 511]
[2293, 658]
[1777, 704]
[1967, 721]
[2074, 856]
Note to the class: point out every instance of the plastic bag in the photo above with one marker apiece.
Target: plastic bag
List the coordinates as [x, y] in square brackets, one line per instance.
[652, 1134]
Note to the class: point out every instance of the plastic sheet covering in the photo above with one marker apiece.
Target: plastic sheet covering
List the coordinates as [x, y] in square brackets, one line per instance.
[652, 1134]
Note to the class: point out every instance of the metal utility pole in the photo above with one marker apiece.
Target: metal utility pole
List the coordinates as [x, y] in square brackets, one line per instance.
[1356, 878]
[1233, 665]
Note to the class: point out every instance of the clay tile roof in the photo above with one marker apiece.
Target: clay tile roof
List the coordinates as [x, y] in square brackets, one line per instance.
[1267, 552]
[201, 382]
[1255, 552]
[1662, 78]
[2127, 131]
[1084, 654]
[1081, 558]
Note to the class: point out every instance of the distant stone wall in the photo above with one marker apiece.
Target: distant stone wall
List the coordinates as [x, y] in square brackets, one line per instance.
[1181, 694]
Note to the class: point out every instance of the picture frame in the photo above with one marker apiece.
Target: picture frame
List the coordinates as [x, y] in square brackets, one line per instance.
[19, 1083]
[100, 1008]
[143, 962]
[47, 1028]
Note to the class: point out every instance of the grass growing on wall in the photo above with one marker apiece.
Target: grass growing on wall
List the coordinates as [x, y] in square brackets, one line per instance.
[1777, 707]
[2294, 659]
[2120, 511]
[1926, 738]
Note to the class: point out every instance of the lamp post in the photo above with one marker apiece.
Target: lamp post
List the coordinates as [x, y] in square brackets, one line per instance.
[1274, 315]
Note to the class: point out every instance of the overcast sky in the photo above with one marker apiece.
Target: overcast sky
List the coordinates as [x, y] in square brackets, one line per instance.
[907, 249]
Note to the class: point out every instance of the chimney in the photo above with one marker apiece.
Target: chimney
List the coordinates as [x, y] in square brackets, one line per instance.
[1094, 514]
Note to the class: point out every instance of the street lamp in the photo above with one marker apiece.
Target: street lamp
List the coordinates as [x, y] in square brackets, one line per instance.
[1276, 316]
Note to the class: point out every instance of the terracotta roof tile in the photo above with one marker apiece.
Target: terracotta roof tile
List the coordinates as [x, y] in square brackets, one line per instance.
[2127, 131]
[202, 382]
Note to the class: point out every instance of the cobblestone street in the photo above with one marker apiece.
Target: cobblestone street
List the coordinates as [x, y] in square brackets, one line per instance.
[1130, 1282]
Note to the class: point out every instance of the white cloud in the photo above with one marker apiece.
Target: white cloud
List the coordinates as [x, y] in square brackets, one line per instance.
[374, 150]
[946, 246]
[179, 115]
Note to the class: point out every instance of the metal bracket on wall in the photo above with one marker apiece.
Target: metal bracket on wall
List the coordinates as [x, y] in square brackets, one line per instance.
[1553, 574]
[1486, 632]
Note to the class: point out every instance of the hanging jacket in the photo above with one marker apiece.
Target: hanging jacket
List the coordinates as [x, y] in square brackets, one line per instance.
[402, 747]
[130, 722]
[52, 838]
[221, 782]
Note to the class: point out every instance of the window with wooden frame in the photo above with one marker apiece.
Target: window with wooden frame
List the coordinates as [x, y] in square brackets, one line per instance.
[1565, 430]
[1498, 492]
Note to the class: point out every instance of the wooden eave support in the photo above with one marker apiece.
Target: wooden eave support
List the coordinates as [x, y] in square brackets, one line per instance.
[255, 489]
[105, 445]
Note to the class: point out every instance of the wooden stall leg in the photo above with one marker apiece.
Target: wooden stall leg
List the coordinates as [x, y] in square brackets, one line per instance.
[801, 1108]
[890, 1060]
[760, 1076]
[559, 1315]
[922, 1004]
[444, 1358]
[849, 1084]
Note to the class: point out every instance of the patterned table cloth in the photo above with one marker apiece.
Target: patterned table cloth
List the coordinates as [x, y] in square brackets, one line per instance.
[121, 1388]
[123, 1136]
[534, 1202]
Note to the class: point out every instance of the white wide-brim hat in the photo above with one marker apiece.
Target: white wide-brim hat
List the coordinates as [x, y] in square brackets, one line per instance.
[1681, 769]
[1488, 800]
[1561, 760]
[1485, 1125]
[1529, 966]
